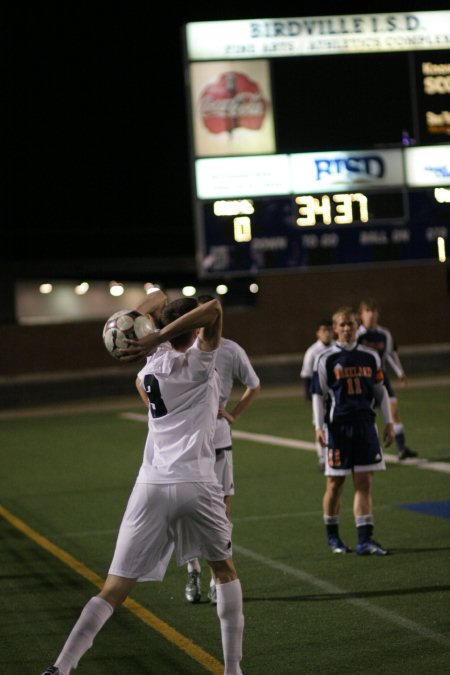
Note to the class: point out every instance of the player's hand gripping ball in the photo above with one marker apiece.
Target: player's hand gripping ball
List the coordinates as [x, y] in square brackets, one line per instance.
[126, 325]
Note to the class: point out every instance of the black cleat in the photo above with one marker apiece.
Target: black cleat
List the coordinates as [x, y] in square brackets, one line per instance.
[406, 453]
[337, 545]
[371, 547]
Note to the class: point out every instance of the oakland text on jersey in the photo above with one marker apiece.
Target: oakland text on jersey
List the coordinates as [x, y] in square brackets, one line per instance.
[352, 371]
[368, 166]
[346, 379]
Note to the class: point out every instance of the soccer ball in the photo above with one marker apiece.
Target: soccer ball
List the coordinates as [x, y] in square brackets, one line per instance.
[127, 324]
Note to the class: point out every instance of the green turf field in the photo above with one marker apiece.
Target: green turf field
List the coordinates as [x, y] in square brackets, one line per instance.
[64, 482]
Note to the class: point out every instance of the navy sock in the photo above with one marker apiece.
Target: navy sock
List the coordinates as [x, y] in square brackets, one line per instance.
[364, 533]
[331, 525]
[332, 530]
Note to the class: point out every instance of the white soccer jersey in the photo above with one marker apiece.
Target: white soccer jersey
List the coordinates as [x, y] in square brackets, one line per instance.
[232, 364]
[310, 356]
[183, 390]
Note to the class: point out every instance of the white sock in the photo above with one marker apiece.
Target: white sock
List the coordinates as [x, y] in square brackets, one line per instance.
[330, 520]
[229, 611]
[360, 521]
[193, 565]
[95, 613]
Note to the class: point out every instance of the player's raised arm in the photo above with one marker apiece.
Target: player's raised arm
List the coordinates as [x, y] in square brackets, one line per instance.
[211, 330]
[154, 302]
[207, 317]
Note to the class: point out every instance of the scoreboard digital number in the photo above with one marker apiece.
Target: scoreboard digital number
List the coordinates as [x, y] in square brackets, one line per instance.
[316, 210]
[281, 183]
[250, 235]
[348, 208]
[340, 209]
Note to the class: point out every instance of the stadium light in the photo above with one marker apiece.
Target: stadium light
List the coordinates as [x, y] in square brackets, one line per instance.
[81, 289]
[116, 289]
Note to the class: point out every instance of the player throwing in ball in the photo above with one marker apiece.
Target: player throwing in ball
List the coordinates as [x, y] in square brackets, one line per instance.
[176, 503]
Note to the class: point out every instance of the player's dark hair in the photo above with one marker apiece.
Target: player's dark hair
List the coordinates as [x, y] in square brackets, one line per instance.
[205, 298]
[324, 322]
[173, 311]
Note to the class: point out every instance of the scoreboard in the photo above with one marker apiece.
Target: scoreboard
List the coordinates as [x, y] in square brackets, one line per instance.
[319, 141]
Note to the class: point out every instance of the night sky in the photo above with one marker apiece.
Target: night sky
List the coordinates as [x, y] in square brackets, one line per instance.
[98, 170]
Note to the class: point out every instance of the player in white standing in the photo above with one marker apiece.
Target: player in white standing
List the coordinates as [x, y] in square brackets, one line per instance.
[371, 334]
[176, 503]
[324, 335]
[233, 365]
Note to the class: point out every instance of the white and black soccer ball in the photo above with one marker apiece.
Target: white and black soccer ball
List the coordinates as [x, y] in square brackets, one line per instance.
[127, 324]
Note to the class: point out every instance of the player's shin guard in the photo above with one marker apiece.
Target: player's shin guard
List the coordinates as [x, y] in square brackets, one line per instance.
[229, 611]
[94, 615]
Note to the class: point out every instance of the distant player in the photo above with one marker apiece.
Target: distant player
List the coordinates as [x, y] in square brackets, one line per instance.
[324, 335]
[379, 338]
[347, 379]
[233, 365]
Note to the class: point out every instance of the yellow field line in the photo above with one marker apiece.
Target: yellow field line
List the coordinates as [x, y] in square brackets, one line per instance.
[208, 662]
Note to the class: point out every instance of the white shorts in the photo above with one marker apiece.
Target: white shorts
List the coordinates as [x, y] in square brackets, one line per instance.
[189, 518]
[223, 469]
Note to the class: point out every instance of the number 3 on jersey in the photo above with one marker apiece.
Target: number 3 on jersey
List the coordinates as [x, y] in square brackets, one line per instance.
[157, 405]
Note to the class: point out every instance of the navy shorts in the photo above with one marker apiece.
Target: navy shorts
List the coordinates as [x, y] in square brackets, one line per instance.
[353, 446]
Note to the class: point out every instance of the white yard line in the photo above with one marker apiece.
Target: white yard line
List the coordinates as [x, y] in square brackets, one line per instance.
[304, 445]
[274, 440]
[135, 417]
[326, 587]
[316, 582]
[419, 463]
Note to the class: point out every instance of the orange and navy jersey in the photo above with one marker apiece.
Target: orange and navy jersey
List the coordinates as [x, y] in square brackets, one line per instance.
[347, 381]
[376, 338]
[381, 340]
